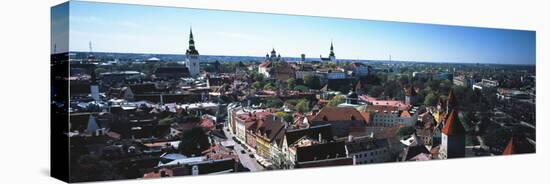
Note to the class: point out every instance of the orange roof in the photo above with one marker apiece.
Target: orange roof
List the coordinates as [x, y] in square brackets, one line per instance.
[153, 174]
[453, 126]
[338, 114]
[405, 114]
[266, 64]
[510, 148]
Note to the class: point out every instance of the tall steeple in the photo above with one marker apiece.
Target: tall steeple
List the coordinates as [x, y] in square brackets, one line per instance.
[452, 138]
[451, 102]
[192, 49]
[192, 54]
[331, 50]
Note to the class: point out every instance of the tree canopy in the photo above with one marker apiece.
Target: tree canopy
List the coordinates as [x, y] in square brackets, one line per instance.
[193, 142]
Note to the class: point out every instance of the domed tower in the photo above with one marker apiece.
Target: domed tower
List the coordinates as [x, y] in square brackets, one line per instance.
[192, 55]
[273, 54]
[352, 97]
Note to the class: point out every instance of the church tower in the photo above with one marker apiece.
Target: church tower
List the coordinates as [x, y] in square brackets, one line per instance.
[94, 87]
[451, 102]
[192, 55]
[331, 55]
[452, 138]
[410, 95]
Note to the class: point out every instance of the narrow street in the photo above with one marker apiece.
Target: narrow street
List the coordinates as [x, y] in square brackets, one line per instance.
[244, 156]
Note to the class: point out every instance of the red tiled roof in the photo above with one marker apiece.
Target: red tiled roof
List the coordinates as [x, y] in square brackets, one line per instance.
[382, 108]
[338, 114]
[266, 64]
[453, 126]
[169, 172]
[405, 114]
[510, 148]
[207, 123]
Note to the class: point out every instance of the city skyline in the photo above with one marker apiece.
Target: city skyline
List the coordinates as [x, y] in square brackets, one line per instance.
[163, 30]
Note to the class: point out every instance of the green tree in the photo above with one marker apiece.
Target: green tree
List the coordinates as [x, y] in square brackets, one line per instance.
[430, 99]
[335, 101]
[406, 131]
[274, 103]
[285, 116]
[270, 86]
[99, 71]
[376, 91]
[301, 88]
[302, 106]
[313, 82]
[167, 120]
[193, 142]
[257, 85]
[92, 168]
[291, 83]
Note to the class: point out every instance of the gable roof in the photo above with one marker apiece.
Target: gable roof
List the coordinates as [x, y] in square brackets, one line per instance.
[339, 114]
[453, 126]
[414, 151]
[266, 64]
[270, 126]
[321, 151]
[313, 132]
[172, 70]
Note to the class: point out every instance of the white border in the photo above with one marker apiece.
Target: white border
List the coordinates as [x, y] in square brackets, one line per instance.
[25, 89]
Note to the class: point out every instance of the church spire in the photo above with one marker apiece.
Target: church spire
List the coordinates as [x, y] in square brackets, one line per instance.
[192, 49]
[190, 33]
[331, 50]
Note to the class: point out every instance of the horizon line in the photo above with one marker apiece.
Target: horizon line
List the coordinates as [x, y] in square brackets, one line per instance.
[419, 61]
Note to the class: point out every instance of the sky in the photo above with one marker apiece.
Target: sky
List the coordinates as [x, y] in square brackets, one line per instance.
[164, 30]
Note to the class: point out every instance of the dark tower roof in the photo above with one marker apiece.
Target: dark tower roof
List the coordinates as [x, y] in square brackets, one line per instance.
[352, 94]
[453, 126]
[451, 100]
[410, 91]
[331, 50]
[191, 49]
[358, 86]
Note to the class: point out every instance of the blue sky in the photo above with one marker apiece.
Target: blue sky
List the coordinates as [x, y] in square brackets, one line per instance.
[163, 30]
